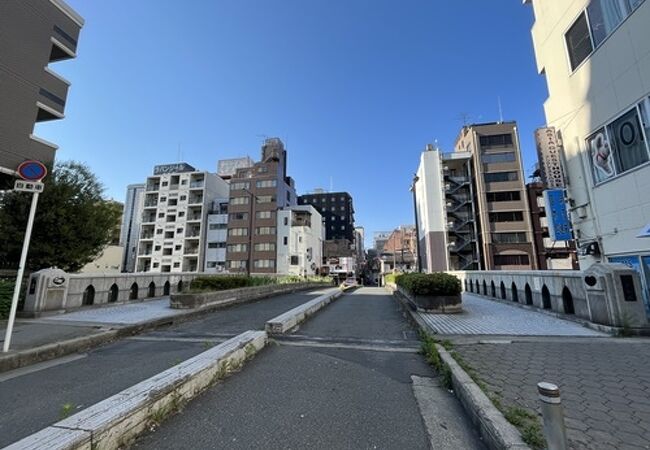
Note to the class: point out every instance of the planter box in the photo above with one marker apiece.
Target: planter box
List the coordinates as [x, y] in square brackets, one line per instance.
[439, 304]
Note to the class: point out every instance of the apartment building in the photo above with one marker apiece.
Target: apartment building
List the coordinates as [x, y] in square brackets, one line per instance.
[256, 195]
[36, 34]
[471, 205]
[216, 237]
[131, 222]
[177, 201]
[299, 241]
[337, 211]
[595, 57]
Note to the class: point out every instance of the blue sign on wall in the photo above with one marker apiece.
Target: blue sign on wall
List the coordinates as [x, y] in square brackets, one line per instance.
[559, 225]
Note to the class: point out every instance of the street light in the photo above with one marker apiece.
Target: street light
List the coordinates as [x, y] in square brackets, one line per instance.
[417, 226]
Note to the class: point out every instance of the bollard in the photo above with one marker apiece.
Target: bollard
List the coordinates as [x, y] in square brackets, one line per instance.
[554, 429]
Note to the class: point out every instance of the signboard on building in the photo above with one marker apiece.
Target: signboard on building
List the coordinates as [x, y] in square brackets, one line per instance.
[559, 225]
[173, 168]
[549, 150]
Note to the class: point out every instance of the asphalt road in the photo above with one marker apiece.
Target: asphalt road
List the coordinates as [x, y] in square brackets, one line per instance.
[32, 401]
[303, 392]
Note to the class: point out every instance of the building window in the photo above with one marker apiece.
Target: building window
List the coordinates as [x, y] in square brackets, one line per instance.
[505, 196]
[495, 177]
[171, 218]
[161, 215]
[165, 183]
[236, 264]
[264, 214]
[183, 198]
[264, 231]
[265, 199]
[511, 260]
[216, 245]
[157, 248]
[173, 202]
[178, 247]
[211, 264]
[239, 216]
[496, 140]
[495, 158]
[237, 231]
[240, 185]
[285, 240]
[264, 263]
[239, 201]
[506, 216]
[169, 235]
[184, 181]
[578, 41]
[181, 214]
[295, 260]
[621, 145]
[265, 247]
[266, 183]
[159, 231]
[217, 226]
[177, 265]
[286, 221]
[509, 238]
[237, 248]
[155, 265]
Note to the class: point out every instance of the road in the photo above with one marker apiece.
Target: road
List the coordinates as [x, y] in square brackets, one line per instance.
[34, 397]
[349, 378]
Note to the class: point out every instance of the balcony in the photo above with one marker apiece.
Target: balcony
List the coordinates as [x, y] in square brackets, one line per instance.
[148, 218]
[195, 200]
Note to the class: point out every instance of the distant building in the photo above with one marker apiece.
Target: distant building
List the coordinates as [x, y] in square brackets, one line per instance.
[130, 230]
[379, 240]
[177, 201]
[337, 211]
[216, 236]
[400, 249]
[359, 238]
[35, 34]
[227, 168]
[300, 241]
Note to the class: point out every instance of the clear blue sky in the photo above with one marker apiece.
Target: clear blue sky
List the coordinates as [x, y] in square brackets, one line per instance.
[355, 88]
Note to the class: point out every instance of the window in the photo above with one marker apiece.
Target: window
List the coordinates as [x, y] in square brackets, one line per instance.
[211, 264]
[163, 199]
[264, 263]
[157, 248]
[239, 201]
[183, 183]
[217, 226]
[578, 41]
[265, 199]
[509, 238]
[622, 145]
[216, 245]
[286, 221]
[239, 216]
[507, 216]
[177, 265]
[236, 264]
[167, 251]
[181, 214]
[262, 169]
[161, 215]
[264, 214]
[511, 260]
[171, 218]
[173, 202]
[183, 198]
[506, 196]
[165, 183]
[238, 232]
[159, 231]
[178, 247]
[237, 248]
[496, 177]
[240, 185]
[295, 260]
[264, 230]
[266, 183]
[496, 140]
[265, 247]
[169, 235]
[285, 240]
[493, 158]
[342, 227]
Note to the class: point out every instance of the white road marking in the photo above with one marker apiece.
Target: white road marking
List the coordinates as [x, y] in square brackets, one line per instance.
[40, 366]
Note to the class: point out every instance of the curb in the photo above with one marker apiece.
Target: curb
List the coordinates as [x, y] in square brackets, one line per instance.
[118, 420]
[290, 319]
[495, 430]
[54, 350]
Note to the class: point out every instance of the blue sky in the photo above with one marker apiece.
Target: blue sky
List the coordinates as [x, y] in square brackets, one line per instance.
[355, 88]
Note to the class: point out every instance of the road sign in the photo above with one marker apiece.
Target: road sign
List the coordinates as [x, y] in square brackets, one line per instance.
[32, 170]
[28, 186]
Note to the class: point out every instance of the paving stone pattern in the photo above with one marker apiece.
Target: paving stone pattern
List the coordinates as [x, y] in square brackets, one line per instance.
[482, 316]
[129, 313]
[605, 385]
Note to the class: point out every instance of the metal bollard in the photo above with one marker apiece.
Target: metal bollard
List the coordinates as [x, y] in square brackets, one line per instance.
[554, 429]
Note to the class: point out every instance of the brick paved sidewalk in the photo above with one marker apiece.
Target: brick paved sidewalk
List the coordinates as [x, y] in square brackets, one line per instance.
[605, 384]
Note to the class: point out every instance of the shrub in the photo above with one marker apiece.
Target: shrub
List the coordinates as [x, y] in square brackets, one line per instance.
[392, 277]
[225, 282]
[430, 284]
[6, 292]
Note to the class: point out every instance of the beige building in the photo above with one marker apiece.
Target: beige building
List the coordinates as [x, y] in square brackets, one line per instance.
[595, 56]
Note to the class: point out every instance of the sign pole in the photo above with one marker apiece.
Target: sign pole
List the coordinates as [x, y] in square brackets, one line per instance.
[21, 270]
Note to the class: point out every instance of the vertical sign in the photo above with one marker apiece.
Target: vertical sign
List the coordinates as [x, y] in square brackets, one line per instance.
[559, 226]
[548, 152]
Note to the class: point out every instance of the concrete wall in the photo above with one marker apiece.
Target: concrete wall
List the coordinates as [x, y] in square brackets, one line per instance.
[597, 295]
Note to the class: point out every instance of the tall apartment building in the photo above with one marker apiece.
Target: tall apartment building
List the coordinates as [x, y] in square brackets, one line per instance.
[471, 205]
[595, 56]
[300, 241]
[256, 195]
[177, 201]
[35, 35]
[131, 221]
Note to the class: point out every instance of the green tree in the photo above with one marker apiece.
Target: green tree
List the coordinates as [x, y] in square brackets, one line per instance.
[73, 221]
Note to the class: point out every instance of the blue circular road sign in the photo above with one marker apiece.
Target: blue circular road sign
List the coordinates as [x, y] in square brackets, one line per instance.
[32, 170]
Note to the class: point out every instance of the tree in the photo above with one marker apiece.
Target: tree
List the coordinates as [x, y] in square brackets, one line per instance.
[73, 222]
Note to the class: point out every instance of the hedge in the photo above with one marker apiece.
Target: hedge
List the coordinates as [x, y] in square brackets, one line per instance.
[430, 283]
[6, 292]
[222, 283]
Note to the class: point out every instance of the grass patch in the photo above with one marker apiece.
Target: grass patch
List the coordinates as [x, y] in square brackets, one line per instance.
[66, 410]
[430, 352]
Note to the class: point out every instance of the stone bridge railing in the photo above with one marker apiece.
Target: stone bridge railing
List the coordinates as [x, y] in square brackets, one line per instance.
[607, 294]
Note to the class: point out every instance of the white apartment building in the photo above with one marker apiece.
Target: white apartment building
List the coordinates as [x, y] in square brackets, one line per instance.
[595, 56]
[300, 234]
[173, 233]
[216, 236]
[131, 221]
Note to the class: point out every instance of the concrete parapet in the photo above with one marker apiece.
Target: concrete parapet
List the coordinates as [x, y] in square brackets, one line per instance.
[116, 421]
[290, 319]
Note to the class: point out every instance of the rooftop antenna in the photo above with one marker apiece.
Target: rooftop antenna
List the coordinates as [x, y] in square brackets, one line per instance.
[464, 117]
[500, 110]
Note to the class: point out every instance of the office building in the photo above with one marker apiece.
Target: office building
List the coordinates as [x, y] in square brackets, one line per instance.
[300, 241]
[471, 204]
[337, 211]
[173, 233]
[35, 35]
[131, 221]
[216, 237]
[256, 195]
[595, 57]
